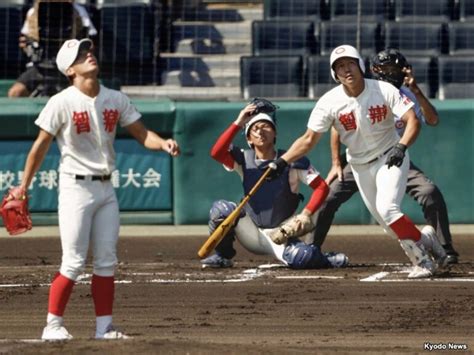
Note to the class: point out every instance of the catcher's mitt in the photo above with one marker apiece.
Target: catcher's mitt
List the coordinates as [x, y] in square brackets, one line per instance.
[263, 105]
[296, 226]
[15, 213]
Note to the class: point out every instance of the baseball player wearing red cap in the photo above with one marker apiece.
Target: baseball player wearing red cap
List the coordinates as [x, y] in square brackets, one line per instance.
[362, 112]
[83, 118]
[269, 224]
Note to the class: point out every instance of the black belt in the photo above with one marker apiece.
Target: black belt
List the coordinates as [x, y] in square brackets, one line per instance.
[93, 177]
[380, 156]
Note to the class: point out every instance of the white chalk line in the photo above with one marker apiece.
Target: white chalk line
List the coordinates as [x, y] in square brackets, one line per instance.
[251, 274]
[404, 269]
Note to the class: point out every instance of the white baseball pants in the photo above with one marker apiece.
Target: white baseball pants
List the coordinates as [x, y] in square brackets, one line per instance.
[88, 213]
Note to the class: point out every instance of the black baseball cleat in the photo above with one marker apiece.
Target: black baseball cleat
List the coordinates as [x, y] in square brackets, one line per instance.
[452, 255]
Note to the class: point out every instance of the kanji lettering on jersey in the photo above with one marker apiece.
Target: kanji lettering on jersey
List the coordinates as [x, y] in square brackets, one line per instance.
[377, 113]
[111, 118]
[348, 121]
[81, 121]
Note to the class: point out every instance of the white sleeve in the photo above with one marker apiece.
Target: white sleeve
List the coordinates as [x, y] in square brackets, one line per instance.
[307, 176]
[128, 112]
[320, 119]
[399, 103]
[51, 117]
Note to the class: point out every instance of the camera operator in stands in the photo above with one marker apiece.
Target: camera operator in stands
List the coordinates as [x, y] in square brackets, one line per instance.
[47, 24]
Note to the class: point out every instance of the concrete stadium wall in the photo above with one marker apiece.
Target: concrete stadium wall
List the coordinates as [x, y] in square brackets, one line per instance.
[445, 153]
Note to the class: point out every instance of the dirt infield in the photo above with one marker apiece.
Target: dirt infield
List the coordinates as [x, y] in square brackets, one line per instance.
[170, 306]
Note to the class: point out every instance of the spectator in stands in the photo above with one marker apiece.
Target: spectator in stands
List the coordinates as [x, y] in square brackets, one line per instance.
[29, 42]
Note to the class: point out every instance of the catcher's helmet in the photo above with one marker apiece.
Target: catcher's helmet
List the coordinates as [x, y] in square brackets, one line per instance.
[388, 65]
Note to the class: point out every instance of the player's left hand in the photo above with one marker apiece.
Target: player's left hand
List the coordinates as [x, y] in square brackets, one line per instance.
[172, 147]
[396, 155]
[335, 172]
[296, 226]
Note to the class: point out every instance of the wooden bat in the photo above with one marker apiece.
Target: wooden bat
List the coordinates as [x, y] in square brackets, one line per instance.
[225, 226]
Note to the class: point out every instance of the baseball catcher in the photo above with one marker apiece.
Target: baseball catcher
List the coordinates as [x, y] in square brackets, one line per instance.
[15, 212]
[268, 223]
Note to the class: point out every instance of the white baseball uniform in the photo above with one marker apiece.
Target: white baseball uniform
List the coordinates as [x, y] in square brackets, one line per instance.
[85, 130]
[365, 125]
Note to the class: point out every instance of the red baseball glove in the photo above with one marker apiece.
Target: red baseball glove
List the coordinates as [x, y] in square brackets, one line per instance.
[15, 213]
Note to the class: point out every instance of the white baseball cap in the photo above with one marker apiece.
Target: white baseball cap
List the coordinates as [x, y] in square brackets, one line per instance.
[67, 54]
[345, 51]
[260, 117]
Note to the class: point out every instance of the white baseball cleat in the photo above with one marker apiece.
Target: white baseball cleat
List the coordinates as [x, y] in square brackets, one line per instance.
[424, 270]
[111, 334]
[432, 244]
[55, 333]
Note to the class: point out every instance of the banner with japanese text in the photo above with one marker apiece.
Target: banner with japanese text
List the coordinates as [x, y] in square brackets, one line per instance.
[142, 178]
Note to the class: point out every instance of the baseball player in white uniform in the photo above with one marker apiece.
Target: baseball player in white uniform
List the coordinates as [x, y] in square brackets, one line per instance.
[84, 118]
[362, 112]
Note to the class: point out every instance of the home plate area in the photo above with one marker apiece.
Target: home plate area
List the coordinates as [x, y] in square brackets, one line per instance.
[385, 272]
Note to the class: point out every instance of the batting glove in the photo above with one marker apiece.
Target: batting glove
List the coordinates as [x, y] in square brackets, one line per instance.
[278, 167]
[396, 155]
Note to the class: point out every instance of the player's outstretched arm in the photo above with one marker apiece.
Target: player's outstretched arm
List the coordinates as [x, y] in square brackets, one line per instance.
[336, 168]
[152, 140]
[302, 145]
[412, 128]
[35, 157]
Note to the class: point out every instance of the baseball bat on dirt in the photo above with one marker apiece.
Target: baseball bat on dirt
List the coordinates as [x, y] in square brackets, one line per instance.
[225, 226]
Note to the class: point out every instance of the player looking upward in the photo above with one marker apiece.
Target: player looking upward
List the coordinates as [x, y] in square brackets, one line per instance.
[391, 66]
[84, 119]
[362, 112]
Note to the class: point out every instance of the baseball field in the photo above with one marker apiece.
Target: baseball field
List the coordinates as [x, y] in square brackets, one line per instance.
[169, 305]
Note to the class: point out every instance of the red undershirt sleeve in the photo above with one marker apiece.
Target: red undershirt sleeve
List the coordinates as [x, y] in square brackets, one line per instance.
[321, 190]
[220, 150]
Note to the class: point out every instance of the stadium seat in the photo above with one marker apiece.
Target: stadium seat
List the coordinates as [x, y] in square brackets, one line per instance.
[319, 76]
[333, 34]
[312, 10]
[371, 10]
[466, 9]
[425, 71]
[272, 76]
[13, 60]
[456, 78]
[127, 35]
[461, 38]
[424, 10]
[426, 39]
[283, 38]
